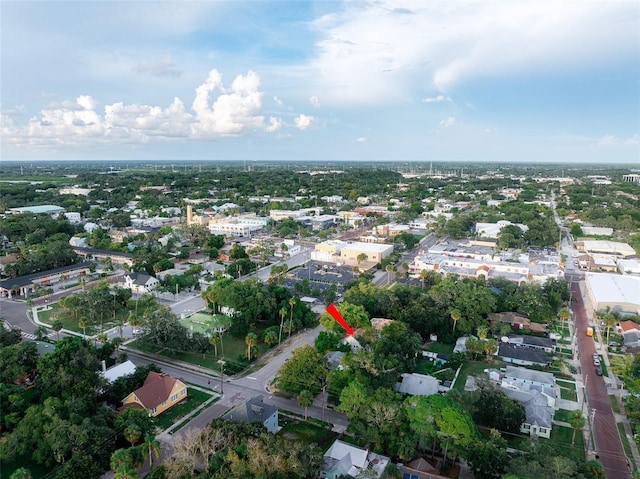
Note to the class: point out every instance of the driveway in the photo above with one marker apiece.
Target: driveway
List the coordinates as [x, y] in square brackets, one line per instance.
[608, 447]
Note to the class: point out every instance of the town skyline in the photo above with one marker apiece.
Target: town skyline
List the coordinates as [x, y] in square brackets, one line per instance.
[548, 82]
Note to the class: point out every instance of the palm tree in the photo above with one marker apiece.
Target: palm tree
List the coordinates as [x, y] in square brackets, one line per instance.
[564, 314]
[21, 473]
[389, 270]
[84, 324]
[102, 338]
[283, 313]
[405, 267]
[270, 338]
[609, 321]
[132, 434]
[360, 258]
[482, 332]
[57, 325]
[116, 343]
[305, 399]
[213, 341]
[576, 421]
[455, 315]
[424, 274]
[149, 448]
[251, 340]
[292, 303]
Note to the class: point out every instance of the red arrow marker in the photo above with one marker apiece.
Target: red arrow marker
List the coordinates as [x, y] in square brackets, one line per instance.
[331, 309]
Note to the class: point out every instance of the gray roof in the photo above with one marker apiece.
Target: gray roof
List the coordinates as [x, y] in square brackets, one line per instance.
[140, 279]
[418, 385]
[532, 340]
[29, 278]
[529, 375]
[535, 406]
[334, 358]
[523, 354]
[253, 409]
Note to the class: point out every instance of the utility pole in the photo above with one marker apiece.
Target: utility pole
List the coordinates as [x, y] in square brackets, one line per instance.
[221, 362]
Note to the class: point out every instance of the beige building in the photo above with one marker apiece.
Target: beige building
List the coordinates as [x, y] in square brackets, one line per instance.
[335, 251]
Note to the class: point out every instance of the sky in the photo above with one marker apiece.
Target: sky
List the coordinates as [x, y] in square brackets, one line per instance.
[420, 80]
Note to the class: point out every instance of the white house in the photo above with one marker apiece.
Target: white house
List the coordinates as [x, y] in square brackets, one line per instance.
[140, 282]
[343, 459]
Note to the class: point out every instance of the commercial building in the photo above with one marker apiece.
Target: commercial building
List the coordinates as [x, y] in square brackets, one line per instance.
[621, 293]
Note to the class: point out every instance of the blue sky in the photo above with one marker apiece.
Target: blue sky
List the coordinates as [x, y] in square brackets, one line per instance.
[294, 80]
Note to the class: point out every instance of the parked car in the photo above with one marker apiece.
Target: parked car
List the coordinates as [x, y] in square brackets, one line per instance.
[599, 371]
[136, 331]
[614, 344]
[596, 362]
[574, 370]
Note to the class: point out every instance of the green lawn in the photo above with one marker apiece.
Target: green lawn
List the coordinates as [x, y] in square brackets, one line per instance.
[563, 383]
[625, 443]
[614, 403]
[442, 348]
[470, 368]
[55, 311]
[194, 399]
[298, 430]
[563, 415]
[568, 394]
[561, 437]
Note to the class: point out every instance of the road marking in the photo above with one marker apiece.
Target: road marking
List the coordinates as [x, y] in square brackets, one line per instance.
[250, 377]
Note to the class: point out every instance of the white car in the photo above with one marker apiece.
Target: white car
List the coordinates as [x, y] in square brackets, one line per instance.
[596, 362]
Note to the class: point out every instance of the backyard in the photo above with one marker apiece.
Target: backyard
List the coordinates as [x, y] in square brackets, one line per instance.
[195, 398]
[295, 429]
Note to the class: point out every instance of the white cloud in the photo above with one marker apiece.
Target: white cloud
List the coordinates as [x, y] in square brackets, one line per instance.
[613, 140]
[361, 139]
[303, 122]
[315, 101]
[436, 99]
[165, 67]
[217, 112]
[274, 124]
[277, 100]
[381, 52]
[447, 122]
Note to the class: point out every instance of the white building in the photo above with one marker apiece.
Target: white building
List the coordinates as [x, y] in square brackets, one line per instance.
[621, 293]
[233, 229]
[492, 230]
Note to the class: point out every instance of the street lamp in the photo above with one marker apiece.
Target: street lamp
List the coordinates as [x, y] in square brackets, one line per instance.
[221, 362]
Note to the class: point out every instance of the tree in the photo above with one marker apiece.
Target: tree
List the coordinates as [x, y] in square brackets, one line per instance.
[149, 448]
[488, 459]
[252, 340]
[57, 326]
[424, 274]
[306, 369]
[490, 347]
[292, 303]
[389, 270]
[563, 315]
[492, 408]
[84, 324]
[609, 321]
[455, 316]
[283, 313]
[354, 316]
[21, 473]
[132, 433]
[214, 338]
[305, 399]
[576, 420]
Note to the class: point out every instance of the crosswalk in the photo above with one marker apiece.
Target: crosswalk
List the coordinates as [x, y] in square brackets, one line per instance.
[32, 337]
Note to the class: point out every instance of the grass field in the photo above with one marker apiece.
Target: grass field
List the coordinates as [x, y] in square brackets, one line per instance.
[561, 437]
[625, 444]
[469, 368]
[562, 415]
[440, 348]
[194, 399]
[55, 311]
[295, 429]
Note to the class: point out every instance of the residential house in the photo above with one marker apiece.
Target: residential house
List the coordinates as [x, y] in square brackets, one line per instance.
[461, 343]
[530, 381]
[7, 260]
[631, 338]
[343, 459]
[334, 360]
[118, 371]
[518, 321]
[255, 409]
[538, 414]
[522, 356]
[420, 469]
[140, 282]
[158, 393]
[418, 385]
[628, 325]
[547, 345]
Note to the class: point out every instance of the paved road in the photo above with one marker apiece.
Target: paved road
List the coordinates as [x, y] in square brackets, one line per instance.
[238, 390]
[607, 441]
[15, 313]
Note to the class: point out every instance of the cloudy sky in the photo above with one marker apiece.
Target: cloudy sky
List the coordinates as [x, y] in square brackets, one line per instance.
[295, 80]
